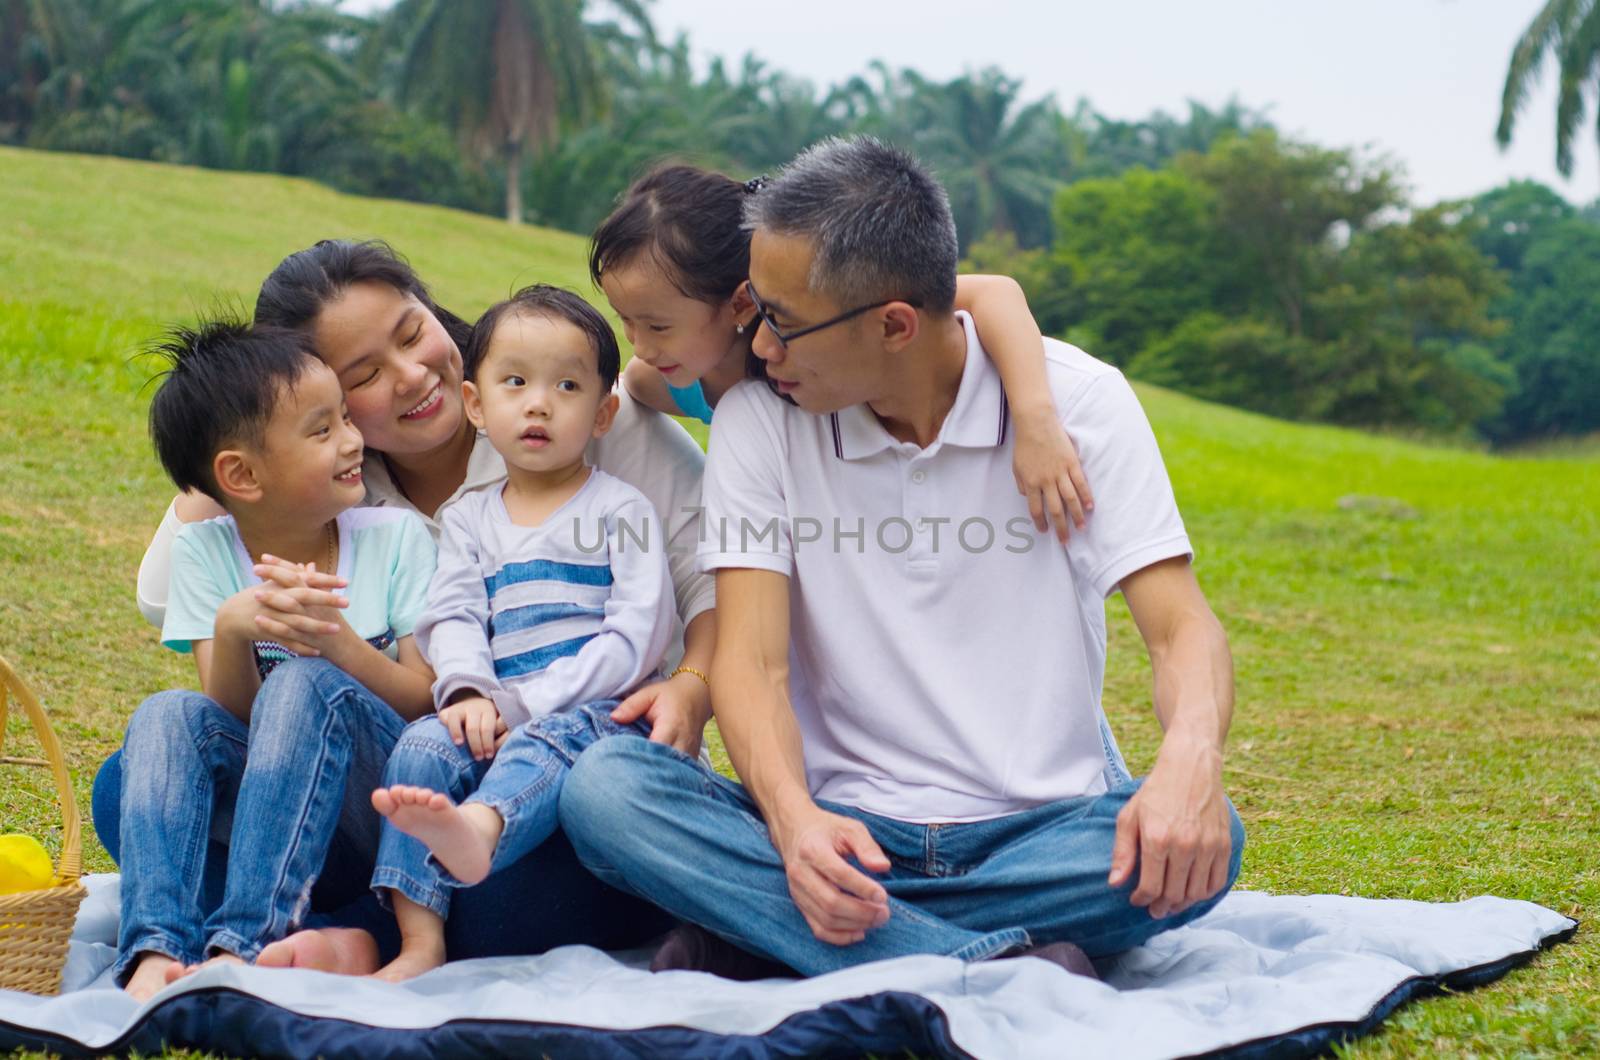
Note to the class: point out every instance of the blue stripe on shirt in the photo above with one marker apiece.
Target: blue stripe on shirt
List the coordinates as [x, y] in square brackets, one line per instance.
[533, 661]
[544, 570]
[531, 615]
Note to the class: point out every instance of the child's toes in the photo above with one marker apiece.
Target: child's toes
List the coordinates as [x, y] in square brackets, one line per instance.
[383, 801]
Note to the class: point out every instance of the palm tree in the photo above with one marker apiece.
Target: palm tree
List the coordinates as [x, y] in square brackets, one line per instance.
[1571, 30]
[1001, 164]
[507, 75]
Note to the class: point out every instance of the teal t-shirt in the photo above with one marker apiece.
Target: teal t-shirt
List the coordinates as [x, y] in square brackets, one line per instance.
[385, 554]
[692, 400]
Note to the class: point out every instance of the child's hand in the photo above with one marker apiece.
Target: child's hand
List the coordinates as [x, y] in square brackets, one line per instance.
[301, 603]
[247, 615]
[473, 720]
[1049, 474]
[677, 710]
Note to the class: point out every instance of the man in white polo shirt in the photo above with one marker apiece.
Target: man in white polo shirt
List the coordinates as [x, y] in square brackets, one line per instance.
[908, 674]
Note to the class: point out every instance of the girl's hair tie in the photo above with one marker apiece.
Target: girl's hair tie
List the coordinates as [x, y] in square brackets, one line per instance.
[755, 184]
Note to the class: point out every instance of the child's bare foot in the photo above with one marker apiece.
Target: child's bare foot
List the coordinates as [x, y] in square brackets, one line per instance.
[149, 976]
[463, 838]
[416, 956]
[343, 951]
[180, 971]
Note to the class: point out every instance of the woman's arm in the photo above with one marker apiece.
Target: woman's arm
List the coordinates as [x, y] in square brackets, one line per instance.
[1046, 463]
[155, 570]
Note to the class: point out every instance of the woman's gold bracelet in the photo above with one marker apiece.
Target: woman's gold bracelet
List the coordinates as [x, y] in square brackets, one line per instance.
[691, 670]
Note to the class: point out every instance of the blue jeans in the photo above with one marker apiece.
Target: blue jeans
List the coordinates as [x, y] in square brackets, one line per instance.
[522, 783]
[650, 820]
[490, 920]
[224, 828]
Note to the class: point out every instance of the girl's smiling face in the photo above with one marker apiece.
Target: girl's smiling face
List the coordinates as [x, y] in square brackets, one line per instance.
[399, 368]
[680, 337]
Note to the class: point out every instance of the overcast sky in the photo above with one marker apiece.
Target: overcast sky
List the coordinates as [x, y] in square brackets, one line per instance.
[1417, 79]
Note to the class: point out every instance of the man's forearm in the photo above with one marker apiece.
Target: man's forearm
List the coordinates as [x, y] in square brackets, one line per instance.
[1193, 671]
[758, 728]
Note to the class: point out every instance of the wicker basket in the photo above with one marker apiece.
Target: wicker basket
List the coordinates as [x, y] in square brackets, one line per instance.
[35, 925]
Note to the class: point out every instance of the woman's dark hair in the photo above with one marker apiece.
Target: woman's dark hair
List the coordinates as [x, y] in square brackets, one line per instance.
[541, 299]
[306, 281]
[691, 222]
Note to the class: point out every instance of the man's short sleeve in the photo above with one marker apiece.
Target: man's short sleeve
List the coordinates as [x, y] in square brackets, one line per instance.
[197, 588]
[1135, 521]
[746, 521]
[415, 556]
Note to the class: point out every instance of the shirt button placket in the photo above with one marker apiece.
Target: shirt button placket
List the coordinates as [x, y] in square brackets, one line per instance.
[915, 509]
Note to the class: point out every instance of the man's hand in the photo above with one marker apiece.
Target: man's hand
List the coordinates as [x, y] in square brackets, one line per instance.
[1175, 830]
[475, 721]
[838, 900]
[677, 709]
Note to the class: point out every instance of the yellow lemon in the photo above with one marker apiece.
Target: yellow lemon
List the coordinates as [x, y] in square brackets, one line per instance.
[24, 865]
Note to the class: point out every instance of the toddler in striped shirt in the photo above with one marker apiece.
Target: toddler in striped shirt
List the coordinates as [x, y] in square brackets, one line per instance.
[551, 602]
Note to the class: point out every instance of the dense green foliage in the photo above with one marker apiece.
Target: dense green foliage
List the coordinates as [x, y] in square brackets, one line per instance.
[1412, 626]
[1279, 277]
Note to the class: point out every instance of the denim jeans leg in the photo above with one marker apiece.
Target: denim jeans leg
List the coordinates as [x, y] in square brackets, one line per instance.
[318, 743]
[180, 766]
[105, 805]
[1046, 870]
[648, 819]
[426, 757]
[523, 783]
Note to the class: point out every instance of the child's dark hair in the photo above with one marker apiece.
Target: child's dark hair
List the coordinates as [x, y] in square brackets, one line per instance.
[222, 382]
[304, 283]
[541, 299]
[691, 221]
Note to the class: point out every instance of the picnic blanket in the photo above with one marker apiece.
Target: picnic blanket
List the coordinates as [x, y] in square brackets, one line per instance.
[1261, 975]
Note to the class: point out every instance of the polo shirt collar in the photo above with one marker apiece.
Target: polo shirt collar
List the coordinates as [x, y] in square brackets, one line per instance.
[979, 419]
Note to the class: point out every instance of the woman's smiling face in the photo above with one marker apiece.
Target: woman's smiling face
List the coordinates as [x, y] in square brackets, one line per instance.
[399, 368]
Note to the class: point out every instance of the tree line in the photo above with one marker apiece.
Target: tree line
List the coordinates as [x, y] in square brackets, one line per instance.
[1202, 251]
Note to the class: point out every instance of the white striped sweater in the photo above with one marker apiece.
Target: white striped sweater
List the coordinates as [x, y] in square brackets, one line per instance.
[541, 619]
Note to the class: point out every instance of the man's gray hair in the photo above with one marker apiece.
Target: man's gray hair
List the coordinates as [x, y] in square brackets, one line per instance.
[880, 223]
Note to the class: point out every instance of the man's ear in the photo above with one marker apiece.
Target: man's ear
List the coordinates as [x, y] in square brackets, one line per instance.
[901, 325]
[472, 401]
[606, 414]
[235, 473]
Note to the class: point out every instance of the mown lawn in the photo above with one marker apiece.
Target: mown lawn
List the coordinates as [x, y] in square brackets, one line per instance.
[1414, 627]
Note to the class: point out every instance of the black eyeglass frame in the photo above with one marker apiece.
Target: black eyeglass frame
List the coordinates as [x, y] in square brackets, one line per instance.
[764, 315]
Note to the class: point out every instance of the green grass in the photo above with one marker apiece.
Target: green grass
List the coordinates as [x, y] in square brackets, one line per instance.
[1417, 665]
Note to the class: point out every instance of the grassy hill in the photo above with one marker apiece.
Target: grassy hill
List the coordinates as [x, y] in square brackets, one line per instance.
[1414, 627]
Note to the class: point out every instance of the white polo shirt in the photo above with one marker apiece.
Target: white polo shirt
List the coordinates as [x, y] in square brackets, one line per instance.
[946, 659]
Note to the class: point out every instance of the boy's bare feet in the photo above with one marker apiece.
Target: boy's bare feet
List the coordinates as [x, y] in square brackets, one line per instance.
[149, 976]
[463, 838]
[179, 971]
[343, 951]
[416, 956]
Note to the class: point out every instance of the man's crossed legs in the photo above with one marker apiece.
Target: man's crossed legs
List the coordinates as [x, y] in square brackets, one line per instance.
[651, 821]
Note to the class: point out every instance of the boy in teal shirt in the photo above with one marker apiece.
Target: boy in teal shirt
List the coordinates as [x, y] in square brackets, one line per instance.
[299, 610]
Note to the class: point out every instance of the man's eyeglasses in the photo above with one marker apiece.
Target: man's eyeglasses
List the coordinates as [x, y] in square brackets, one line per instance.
[785, 337]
